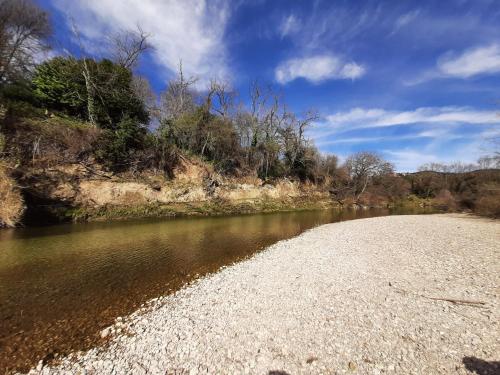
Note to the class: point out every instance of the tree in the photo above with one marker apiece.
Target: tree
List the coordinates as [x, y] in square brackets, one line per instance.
[128, 46]
[489, 162]
[118, 145]
[220, 99]
[24, 29]
[295, 145]
[60, 84]
[362, 167]
[143, 91]
[179, 97]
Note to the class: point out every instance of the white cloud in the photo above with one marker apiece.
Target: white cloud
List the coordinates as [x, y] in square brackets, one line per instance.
[472, 62]
[404, 20]
[290, 25]
[430, 133]
[358, 118]
[187, 30]
[439, 129]
[317, 68]
[479, 60]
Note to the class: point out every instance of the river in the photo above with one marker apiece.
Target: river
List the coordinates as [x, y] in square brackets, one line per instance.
[60, 285]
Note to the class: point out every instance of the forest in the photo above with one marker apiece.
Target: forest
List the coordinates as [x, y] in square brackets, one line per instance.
[100, 111]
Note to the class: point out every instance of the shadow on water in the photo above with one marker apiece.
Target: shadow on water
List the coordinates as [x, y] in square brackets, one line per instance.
[481, 367]
[61, 285]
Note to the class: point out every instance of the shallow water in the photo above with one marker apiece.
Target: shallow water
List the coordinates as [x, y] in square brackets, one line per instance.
[60, 285]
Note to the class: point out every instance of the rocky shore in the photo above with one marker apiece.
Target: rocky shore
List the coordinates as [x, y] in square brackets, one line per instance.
[397, 294]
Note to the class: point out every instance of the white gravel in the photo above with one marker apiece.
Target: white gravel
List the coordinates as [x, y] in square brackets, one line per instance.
[350, 297]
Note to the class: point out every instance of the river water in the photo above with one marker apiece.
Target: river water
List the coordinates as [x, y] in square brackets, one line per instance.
[61, 285]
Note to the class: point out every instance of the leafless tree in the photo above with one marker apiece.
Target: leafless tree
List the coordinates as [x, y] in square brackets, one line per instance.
[128, 46]
[143, 90]
[293, 134]
[179, 97]
[90, 84]
[221, 98]
[362, 167]
[24, 30]
[489, 162]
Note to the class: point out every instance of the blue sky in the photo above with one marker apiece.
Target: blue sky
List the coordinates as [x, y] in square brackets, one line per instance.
[417, 81]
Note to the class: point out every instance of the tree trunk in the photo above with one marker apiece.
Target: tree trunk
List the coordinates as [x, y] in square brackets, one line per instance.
[91, 108]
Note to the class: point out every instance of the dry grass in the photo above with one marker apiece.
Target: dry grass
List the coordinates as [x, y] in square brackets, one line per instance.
[11, 200]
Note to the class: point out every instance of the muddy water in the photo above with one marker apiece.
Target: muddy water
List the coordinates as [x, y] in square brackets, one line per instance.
[60, 285]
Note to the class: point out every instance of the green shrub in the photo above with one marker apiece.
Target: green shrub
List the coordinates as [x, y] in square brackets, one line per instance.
[116, 147]
[59, 84]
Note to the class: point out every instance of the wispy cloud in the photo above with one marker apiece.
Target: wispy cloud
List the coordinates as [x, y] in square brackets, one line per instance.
[358, 118]
[443, 134]
[289, 25]
[317, 69]
[475, 61]
[187, 30]
[482, 60]
[431, 133]
[404, 20]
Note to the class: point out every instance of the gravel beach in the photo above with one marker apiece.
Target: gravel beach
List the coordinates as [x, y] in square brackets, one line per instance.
[386, 295]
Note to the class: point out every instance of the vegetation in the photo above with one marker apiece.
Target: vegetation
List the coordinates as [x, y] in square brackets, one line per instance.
[12, 206]
[99, 112]
[462, 187]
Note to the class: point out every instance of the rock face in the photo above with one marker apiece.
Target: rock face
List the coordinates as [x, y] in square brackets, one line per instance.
[99, 192]
[369, 296]
[74, 187]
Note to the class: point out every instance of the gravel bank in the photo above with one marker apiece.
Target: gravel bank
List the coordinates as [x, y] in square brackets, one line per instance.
[350, 297]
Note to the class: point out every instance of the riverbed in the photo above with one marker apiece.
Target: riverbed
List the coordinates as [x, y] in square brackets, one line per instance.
[386, 295]
[61, 285]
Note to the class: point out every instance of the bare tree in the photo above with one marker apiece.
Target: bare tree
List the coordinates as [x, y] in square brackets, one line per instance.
[362, 167]
[128, 46]
[293, 134]
[179, 97]
[90, 84]
[143, 90]
[221, 98]
[489, 162]
[24, 30]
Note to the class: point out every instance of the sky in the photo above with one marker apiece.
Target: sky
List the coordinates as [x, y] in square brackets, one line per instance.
[416, 81]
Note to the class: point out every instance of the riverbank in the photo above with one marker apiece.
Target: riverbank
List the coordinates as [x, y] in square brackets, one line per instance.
[398, 294]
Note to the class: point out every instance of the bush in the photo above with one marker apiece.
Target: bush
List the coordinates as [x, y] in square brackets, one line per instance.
[488, 206]
[445, 201]
[12, 207]
[19, 91]
[115, 148]
[489, 202]
[59, 84]
[49, 141]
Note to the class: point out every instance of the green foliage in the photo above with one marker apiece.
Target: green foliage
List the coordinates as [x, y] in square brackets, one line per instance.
[18, 91]
[117, 146]
[115, 98]
[60, 84]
